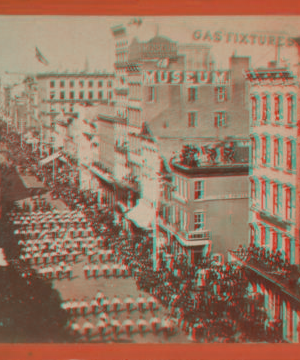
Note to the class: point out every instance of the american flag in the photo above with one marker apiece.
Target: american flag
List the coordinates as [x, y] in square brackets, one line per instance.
[40, 57]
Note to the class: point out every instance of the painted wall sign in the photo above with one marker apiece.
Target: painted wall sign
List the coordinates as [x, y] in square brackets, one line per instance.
[151, 77]
[242, 38]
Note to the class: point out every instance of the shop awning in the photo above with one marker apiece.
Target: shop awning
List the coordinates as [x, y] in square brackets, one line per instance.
[50, 158]
[143, 215]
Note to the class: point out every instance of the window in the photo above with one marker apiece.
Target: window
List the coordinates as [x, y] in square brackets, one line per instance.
[100, 95]
[263, 195]
[91, 83]
[72, 94]
[276, 152]
[264, 150]
[62, 95]
[278, 107]
[109, 84]
[62, 83]
[288, 206]
[289, 155]
[199, 221]
[100, 84]
[275, 199]
[81, 95]
[252, 235]
[253, 190]
[199, 190]
[192, 118]
[151, 93]
[192, 94]
[290, 109]
[52, 84]
[262, 236]
[72, 83]
[109, 95]
[254, 108]
[91, 95]
[52, 94]
[274, 241]
[254, 149]
[81, 83]
[264, 108]
[220, 119]
[220, 93]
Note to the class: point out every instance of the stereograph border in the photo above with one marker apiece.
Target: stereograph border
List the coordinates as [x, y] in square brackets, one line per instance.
[136, 351]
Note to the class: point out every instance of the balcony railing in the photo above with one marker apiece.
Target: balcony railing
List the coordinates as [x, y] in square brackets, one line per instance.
[199, 235]
[196, 235]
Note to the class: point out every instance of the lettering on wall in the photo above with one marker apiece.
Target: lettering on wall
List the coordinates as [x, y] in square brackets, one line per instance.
[242, 38]
[152, 77]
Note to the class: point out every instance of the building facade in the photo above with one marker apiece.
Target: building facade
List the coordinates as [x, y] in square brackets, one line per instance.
[59, 92]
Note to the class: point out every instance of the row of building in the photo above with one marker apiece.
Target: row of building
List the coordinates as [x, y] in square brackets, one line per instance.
[201, 159]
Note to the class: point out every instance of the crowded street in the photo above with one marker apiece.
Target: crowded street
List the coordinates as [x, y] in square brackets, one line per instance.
[67, 240]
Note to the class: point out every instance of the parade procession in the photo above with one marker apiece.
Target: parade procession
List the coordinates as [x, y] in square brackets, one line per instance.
[156, 201]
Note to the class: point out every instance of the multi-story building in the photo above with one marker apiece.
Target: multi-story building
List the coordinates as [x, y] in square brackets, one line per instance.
[209, 208]
[176, 92]
[59, 92]
[274, 204]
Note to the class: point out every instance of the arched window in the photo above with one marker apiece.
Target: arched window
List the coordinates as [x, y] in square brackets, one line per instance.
[291, 108]
[265, 104]
[275, 199]
[263, 195]
[264, 150]
[291, 154]
[278, 107]
[254, 108]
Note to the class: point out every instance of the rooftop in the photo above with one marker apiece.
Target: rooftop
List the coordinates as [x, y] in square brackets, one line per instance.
[81, 74]
[269, 74]
[210, 169]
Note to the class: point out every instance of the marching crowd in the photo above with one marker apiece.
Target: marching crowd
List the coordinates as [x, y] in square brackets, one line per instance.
[207, 301]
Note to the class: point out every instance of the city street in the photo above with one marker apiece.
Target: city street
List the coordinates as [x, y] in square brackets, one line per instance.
[23, 188]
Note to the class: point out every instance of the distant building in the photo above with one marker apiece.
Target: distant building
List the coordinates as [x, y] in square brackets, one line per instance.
[59, 92]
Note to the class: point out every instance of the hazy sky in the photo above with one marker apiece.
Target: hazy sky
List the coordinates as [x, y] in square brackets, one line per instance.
[66, 41]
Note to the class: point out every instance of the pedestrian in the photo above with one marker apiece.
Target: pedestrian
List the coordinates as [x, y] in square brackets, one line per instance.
[142, 325]
[86, 270]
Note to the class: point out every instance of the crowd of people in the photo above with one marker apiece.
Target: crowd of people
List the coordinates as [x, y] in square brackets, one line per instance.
[199, 297]
[270, 261]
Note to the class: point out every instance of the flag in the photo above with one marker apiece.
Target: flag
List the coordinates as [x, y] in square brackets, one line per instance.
[40, 57]
[135, 21]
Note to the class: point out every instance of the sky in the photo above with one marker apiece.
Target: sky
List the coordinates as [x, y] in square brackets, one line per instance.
[68, 41]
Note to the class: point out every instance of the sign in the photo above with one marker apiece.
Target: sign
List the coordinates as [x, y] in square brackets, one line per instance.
[152, 77]
[243, 38]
